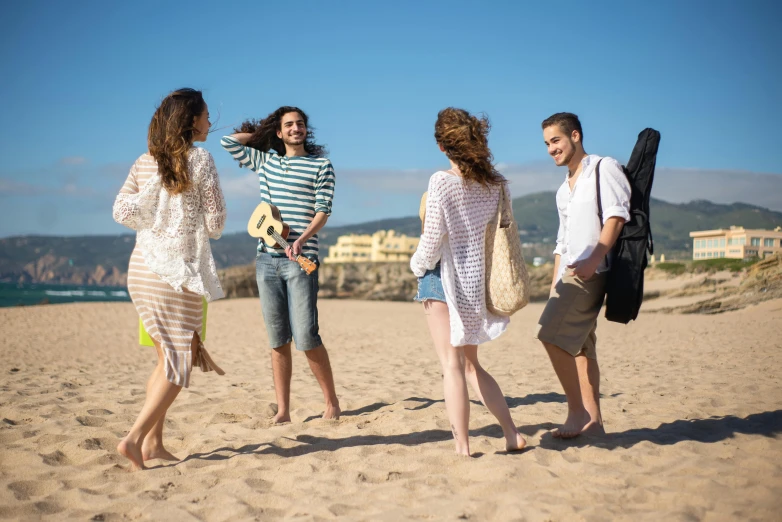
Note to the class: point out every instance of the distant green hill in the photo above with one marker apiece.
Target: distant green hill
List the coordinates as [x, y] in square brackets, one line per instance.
[536, 215]
[104, 259]
[672, 223]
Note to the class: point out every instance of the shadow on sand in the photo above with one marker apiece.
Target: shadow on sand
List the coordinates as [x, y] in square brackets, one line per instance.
[513, 402]
[708, 431]
[311, 444]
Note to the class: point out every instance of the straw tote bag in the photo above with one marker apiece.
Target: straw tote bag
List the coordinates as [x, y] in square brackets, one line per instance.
[507, 280]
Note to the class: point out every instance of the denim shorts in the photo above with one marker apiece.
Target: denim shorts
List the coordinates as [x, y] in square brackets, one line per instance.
[289, 302]
[430, 286]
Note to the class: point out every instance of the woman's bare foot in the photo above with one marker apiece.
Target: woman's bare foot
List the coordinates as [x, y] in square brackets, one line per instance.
[516, 445]
[332, 413]
[463, 452]
[131, 451]
[156, 452]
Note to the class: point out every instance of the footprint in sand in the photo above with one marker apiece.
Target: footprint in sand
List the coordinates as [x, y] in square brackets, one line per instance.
[92, 422]
[228, 418]
[161, 494]
[154, 495]
[56, 458]
[342, 510]
[47, 507]
[107, 459]
[96, 444]
[100, 412]
[544, 457]
[12, 422]
[571, 457]
[259, 484]
[48, 439]
[26, 489]
[443, 424]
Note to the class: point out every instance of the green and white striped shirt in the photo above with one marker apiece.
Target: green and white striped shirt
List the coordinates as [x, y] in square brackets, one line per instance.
[300, 186]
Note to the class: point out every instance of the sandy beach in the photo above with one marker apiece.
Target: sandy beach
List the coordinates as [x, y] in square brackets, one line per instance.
[693, 404]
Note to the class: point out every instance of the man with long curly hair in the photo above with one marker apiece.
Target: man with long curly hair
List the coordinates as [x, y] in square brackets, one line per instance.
[296, 177]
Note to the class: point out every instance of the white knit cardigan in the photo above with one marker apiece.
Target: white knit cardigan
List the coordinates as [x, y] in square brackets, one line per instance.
[173, 231]
[457, 213]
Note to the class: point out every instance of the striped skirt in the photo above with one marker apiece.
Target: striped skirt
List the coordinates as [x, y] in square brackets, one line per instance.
[170, 318]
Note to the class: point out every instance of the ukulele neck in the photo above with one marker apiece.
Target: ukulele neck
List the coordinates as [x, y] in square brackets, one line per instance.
[278, 238]
[306, 264]
[281, 241]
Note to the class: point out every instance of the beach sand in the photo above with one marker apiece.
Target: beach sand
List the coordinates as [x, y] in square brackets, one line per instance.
[693, 404]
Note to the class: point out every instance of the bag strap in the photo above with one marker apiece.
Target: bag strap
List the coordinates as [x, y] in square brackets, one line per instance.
[599, 197]
[502, 208]
[600, 201]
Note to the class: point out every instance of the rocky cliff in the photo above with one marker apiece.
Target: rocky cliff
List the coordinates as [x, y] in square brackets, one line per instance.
[52, 269]
[371, 281]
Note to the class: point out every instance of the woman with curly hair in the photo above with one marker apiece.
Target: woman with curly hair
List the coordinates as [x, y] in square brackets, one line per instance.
[172, 199]
[449, 263]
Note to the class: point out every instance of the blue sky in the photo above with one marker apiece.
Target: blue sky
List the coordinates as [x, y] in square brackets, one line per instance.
[82, 79]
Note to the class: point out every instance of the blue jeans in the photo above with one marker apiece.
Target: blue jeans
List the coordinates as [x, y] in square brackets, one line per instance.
[430, 286]
[289, 302]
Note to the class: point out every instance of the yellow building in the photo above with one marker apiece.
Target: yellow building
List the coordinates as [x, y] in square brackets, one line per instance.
[353, 248]
[736, 242]
[382, 246]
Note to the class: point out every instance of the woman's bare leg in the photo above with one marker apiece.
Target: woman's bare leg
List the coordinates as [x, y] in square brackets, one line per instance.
[472, 379]
[493, 399]
[160, 395]
[457, 402]
[152, 446]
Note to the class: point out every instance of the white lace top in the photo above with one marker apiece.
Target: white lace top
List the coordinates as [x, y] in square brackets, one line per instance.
[455, 234]
[173, 232]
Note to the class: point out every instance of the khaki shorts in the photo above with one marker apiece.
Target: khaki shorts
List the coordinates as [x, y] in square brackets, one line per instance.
[570, 317]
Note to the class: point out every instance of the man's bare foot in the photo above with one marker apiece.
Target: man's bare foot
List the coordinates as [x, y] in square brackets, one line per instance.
[158, 452]
[593, 428]
[517, 445]
[574, 425]
[131, 451]
[281, 418]
[332, 413]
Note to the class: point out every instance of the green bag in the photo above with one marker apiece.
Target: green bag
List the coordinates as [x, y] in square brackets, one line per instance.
[144, 338]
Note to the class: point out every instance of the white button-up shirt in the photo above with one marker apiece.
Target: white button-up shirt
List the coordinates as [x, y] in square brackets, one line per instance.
[579, 225]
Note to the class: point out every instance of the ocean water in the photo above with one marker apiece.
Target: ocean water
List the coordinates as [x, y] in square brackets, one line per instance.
[13, 294]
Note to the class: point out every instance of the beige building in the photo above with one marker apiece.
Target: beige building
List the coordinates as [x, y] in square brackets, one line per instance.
[382, 246]
[736, 242]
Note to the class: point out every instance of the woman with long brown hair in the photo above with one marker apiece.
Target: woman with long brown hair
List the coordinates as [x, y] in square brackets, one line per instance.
[172, 199]
[449, 263]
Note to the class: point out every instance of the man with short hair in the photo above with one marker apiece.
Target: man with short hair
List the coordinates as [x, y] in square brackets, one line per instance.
[298, 179]
[567, 326]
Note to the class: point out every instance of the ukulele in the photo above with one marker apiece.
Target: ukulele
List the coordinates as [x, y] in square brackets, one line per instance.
[266, 224]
